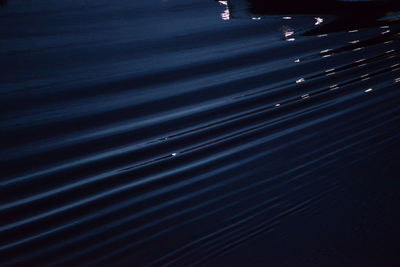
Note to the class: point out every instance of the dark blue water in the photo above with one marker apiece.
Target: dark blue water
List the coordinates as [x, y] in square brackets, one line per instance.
[185, 133]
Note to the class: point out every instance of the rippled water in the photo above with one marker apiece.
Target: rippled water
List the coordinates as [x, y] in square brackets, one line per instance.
[151, 133]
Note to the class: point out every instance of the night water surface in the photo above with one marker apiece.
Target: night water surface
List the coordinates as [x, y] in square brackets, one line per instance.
[199, 132]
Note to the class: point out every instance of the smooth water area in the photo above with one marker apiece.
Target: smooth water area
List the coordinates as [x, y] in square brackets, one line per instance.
[199, 132]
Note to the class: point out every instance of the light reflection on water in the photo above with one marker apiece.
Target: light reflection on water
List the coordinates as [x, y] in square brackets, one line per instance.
[197, 132]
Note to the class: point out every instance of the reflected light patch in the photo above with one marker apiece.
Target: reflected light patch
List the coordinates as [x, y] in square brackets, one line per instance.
[318, 21]
[365, 77]
[334, 87]
[330, 72]
[225, 15]
[288, 33]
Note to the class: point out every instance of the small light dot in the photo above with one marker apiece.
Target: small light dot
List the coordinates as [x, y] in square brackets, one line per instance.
[305, 96]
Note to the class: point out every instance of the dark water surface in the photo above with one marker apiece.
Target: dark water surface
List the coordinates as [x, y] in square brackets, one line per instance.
[181, 133]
